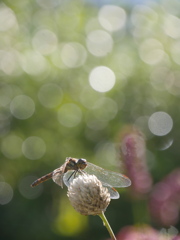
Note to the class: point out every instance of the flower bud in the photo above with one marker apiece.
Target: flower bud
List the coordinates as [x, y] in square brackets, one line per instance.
[88, 196]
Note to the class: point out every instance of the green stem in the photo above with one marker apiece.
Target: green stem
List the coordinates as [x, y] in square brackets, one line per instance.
[106, 224]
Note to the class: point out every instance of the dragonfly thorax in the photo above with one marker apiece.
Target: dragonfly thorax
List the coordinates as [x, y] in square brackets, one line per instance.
[75, 164]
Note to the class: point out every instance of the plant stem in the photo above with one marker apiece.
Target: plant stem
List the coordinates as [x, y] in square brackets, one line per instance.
[106, 224]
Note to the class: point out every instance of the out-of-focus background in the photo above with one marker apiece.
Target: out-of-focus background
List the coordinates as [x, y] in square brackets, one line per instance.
[98, 80]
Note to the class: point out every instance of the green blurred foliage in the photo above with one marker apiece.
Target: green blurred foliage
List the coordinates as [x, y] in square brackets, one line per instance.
[46, 58]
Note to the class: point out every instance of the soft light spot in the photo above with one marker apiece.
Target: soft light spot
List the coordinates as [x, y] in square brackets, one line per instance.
[48, 4]
[50, 95]
[7, 18]
[107, 152]
[92, 24]
[142, 15]
[95, 124]
[22, 107]
[33, 148]
[68, 223]
[69, 115]
[99, 43]
[11, 146]
[105, 109]
[34, 63]
[27, 191]
[171, 26]
[73, 54]
[102, 79]
[166, 144]
[112, 18]
[143, 18]
[158, 77]
[88, 97]
[123, 63]
[5, 94]
[172, 231]
[56, 57]
[45, 41]
[6, 193]
[173, 83]
[151, 51]
[10, 62]
[175, 52]
[160, 123]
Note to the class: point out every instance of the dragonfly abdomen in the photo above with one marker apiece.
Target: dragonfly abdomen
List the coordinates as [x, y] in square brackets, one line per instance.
[42, 179]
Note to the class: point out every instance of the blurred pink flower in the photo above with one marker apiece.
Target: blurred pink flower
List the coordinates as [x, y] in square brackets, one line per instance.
[176, 237]
[138, 233]
[145, 232]
[133, 153]
[165, 199]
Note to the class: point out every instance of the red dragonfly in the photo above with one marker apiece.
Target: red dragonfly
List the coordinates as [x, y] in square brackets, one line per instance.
[74, 166]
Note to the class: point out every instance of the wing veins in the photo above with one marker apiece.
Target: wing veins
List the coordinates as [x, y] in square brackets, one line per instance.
[108, 177]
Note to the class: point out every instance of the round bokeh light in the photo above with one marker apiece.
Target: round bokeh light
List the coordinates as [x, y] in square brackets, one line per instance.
[102, 79]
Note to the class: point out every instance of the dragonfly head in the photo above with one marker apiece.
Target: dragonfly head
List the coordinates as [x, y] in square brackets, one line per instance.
[75, 164]
[82, 163]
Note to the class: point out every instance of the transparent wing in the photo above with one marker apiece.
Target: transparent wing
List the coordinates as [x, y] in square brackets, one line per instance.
[113, 193]
[68, 178]
[110, 178]
[57, 175]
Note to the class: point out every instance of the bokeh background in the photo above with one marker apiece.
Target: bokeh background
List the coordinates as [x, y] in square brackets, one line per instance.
[98, 80]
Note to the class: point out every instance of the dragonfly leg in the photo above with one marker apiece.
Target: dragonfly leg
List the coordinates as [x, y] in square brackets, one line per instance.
[79, 171]
[74, 173]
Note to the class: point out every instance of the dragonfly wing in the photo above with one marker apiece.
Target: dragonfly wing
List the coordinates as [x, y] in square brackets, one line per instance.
[113, 193]
[68, 177]
[110, 178]
[58, 175]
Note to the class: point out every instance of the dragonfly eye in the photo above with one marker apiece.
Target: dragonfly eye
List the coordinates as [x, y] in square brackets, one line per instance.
[82, 161]
[71, 162]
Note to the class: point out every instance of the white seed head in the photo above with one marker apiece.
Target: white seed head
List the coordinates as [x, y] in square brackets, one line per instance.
[88, 196]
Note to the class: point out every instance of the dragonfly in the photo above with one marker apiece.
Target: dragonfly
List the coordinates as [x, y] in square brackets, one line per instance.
[75, 166]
